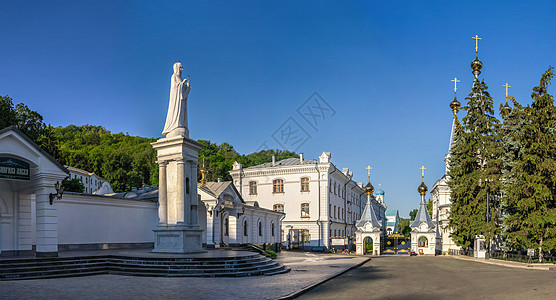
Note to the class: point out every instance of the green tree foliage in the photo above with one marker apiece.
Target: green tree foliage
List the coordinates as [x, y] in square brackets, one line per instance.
[530, 171]
[429, 207]
[219, 159]
[403, 226]
[73, 185]
[413, 214]
[125, 161]
[475, 169]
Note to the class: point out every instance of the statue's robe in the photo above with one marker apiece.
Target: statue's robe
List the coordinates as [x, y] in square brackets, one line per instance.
[177, 108]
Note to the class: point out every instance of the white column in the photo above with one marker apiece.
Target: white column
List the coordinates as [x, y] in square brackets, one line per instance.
[162, 194]
[233, 229]
[47, 224]
[180, 195]
[210, 226]
[194, 220]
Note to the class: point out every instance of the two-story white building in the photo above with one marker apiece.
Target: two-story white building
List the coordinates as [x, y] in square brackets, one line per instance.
[319, 200]
[91, 181]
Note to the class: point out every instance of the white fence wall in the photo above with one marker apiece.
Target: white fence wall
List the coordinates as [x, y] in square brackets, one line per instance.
[88, 219]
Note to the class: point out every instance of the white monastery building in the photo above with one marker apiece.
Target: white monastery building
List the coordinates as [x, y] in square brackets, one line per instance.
[319, 200]
[91, 181]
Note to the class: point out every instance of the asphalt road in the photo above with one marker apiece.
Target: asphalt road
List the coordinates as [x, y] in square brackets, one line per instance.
[404, 277]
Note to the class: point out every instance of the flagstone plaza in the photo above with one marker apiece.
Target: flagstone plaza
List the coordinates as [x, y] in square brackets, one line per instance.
[382, 277]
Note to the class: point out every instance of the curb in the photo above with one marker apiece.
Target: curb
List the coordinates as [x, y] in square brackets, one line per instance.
[311, 286]
[506, 264]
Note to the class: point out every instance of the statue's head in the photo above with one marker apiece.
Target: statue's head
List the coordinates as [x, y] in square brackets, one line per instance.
[178, 68]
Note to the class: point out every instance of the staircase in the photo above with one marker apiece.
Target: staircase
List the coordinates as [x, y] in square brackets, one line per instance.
[39, 268]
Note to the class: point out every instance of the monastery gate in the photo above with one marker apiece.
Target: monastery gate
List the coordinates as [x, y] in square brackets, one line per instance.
[396, 244]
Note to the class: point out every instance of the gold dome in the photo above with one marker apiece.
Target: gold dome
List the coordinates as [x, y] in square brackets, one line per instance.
[422, 188]
[476, 64]
[369, 188]
[506, 108]
[455, 105]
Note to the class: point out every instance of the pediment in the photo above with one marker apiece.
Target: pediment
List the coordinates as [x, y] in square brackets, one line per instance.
[15, 144]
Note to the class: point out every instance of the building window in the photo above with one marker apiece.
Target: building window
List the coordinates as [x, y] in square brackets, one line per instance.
[334, 232]
[335, 189]
[278, 186]
[226, 227]
[304, 184]
[304, 210]
[423, 242]
[278, 207]
[330, 186]
[260, 229]
[245, 228]
[187, 185]
[272, 228]
[330, 210]
[252, 188]
[334, 211]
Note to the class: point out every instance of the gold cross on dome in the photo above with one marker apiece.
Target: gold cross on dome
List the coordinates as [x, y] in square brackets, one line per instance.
[476, 38]
[423, 171]
[369, 172]
[455, 81]
[507, 86]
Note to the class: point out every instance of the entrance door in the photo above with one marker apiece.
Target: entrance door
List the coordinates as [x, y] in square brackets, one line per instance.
[396, 244]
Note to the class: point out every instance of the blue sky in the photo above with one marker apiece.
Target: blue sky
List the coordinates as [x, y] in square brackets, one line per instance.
[383, 67]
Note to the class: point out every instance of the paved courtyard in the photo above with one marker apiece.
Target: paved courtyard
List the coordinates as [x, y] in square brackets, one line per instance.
[404, 277]
[384, 277]
[307, 269]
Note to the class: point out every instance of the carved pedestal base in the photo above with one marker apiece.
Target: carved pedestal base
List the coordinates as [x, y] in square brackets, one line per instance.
[178, 240]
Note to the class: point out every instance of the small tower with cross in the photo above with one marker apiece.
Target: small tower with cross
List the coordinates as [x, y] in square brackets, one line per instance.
[423, 229]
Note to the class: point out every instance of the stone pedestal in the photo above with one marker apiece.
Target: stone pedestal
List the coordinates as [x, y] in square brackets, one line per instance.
[178, 240]
[178, 229]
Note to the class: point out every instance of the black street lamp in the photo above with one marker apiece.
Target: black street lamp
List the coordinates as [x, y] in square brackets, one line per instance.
[59, 192]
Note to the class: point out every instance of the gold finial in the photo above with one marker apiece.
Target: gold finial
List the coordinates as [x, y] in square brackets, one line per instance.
[423, 172]
[369, 172]
[455, 81]
[507, 86]
[203, 173]
[476, 38]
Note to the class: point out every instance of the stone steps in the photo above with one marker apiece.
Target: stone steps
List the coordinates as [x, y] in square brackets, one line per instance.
[250, 265]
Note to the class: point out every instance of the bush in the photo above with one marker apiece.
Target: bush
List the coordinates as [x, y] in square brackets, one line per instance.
[271, 253]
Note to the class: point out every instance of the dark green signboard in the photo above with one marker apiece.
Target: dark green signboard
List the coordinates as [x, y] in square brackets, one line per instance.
[13, 168]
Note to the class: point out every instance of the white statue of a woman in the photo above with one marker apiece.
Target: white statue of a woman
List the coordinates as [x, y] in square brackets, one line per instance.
[176, 120]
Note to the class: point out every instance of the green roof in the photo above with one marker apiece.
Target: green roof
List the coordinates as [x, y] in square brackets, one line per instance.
[391, 212]
[390, 223]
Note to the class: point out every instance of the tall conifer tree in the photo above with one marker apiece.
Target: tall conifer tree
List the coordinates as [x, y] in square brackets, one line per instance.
[475, 168]
[531, 187]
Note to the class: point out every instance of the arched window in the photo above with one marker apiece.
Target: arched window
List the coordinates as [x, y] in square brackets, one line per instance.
[423, 242]
[187, 185]
[304, 184]
[226, 226]
[272, 229]
[305, 210]
[260, 229]
[245, 228]
[252, 187]
[278, 207]
[278, 186]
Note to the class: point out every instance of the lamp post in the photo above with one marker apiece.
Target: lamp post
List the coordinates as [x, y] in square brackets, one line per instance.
[59, 192]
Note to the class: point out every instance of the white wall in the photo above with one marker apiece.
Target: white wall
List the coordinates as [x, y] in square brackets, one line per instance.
[88, 219]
